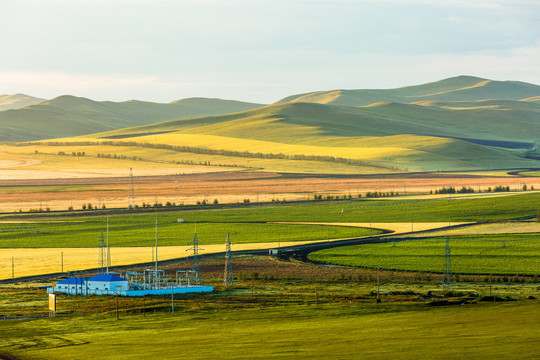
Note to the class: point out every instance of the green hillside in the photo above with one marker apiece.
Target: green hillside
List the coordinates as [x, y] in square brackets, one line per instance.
[407, 136]
[310, 123]
[72, 116]
[17, 101]
[460, 88]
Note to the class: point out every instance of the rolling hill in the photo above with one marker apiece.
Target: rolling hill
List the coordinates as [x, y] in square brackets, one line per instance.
[460, 88]
[390, 135]
[311, 123]
[17, 101]
[462, 123]
[72, 116]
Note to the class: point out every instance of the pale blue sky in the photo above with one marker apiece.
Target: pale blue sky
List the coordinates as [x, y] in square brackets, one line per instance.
[261, 51]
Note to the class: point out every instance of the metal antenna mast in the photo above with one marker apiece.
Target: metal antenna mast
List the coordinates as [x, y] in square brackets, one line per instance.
[131, 196]
[228, 279]
[101, 258]
[447, 270]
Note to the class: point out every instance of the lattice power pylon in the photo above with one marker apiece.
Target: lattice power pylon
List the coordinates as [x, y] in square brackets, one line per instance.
[228, 279]
[131, 196]
[101, 256]
[195, 267]
[448, 279]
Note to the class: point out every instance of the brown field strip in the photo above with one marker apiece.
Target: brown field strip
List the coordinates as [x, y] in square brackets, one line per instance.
[226, 187]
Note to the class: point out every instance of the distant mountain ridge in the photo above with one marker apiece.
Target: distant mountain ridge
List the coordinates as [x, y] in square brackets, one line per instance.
[460, 88]
[17, 101]
[462, 107]
[71, 116]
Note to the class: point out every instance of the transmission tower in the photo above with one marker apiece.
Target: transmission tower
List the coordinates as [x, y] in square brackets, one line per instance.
[448, 280]
[101, 258]
[131, 196]
[228, 279]
[195, 250]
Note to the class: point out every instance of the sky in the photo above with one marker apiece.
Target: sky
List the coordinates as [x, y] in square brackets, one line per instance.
[258, 51]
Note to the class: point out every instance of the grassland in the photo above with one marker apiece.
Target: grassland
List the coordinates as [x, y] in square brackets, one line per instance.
[138, 228]
[134, 232]
[495, 254]
[278, 310]
[70, 115]
[507, 331]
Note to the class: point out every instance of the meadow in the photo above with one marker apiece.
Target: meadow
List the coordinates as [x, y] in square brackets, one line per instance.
[279, 309]
[249, 223]
[322, 331]
[138, 232]
[516, 254]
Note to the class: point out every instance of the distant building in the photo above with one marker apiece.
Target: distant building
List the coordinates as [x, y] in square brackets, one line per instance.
[71, 286]
[110, 284]
[107, 284]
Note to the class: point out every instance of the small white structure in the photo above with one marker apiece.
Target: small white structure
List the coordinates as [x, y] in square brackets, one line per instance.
[71, 286]
[273, 252]
[107, 284]
[102, 284]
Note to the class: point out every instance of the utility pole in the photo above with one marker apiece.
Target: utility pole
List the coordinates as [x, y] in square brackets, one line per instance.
[108, 250]
[131, 197]
[62, 260]
[12, 267]
[101, 257]
[172, 299]
[447, 269]
[156, 277]
[195, 249]
[228, 279]
[378, 284]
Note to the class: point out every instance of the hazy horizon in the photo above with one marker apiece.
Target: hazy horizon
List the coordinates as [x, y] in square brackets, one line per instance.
[258, 51]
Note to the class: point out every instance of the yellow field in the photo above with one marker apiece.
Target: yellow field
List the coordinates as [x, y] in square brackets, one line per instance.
[513, 227]
[39, 261]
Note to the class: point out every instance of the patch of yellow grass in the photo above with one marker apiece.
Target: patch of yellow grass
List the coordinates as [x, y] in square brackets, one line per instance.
[395, 228]
[480, 84]
[215, 142]
[513, 227]
[29, 262]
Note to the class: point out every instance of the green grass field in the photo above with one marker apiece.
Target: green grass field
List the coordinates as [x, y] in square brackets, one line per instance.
[136, 231]
[342, 331]
[249, 224]
[494, 254]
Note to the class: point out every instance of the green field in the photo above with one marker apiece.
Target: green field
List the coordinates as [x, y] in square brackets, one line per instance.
[301, 332]
[249, 224]
[494, 254]
[136, 231]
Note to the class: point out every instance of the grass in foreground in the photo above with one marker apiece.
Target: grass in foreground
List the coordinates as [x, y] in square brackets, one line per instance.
[279, 310]
[494, 254]
[300, 331]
